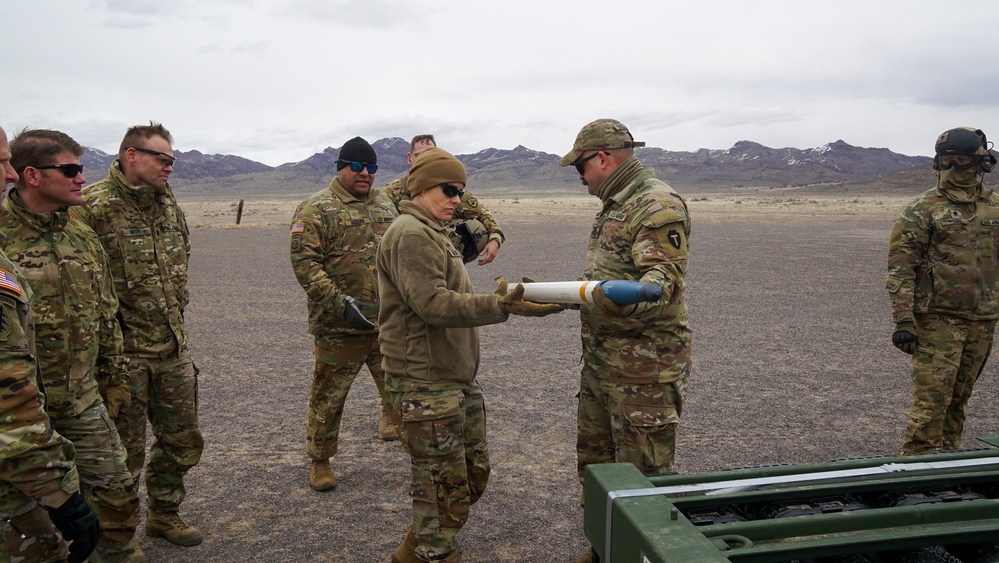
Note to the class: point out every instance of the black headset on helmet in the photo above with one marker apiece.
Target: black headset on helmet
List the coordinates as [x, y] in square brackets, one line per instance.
[966, 141]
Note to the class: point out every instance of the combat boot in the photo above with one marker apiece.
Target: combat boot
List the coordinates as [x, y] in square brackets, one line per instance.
[386, 430]
[321, 477]
[406, 552]
[138, 556]
[169, 526]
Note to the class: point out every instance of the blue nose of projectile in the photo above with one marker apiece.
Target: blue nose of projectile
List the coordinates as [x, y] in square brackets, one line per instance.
[627, 292]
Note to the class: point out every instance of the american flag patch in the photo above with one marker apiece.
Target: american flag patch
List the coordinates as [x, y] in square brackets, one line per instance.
[297, 228]
[8, 281]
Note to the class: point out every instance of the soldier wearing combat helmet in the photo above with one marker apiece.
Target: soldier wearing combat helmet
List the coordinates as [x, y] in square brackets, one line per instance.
[636, 358]
[943, 281]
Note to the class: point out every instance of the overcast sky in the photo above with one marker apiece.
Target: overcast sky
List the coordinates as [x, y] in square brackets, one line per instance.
[277, 81]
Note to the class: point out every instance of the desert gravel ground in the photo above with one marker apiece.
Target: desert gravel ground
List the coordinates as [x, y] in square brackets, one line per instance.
[793, 364]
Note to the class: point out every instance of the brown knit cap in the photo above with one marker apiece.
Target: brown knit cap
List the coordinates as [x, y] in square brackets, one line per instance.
[434, 167]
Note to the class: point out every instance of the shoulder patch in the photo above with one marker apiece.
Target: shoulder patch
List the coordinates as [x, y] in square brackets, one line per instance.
[9, 281]
[664, 216]
[297, 228]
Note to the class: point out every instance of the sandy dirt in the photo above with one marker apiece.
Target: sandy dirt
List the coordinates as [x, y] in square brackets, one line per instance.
[793, 364]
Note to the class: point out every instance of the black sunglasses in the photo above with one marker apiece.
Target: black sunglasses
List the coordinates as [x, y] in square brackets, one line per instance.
[451, 190]
[170, 160]
[581, 164]
[356, 166]
[68, 170]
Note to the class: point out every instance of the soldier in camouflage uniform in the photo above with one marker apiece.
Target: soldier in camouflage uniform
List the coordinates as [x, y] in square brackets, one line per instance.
[39, 483]
[637, 358]
[78, 338]
[431, 355]
[943, 281]
[333, 238]
[145, 235]
[470, 207]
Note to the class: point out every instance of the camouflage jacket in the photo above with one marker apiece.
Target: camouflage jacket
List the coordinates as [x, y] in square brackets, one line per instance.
[642, 232]
[942, 257]
[76, 333]
[145, 235]
[470, 208]
[33, 457]
[333, 240]
[428, 311]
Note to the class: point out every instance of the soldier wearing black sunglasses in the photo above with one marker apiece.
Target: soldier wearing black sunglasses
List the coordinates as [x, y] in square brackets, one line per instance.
[79, 341]
[333, 238]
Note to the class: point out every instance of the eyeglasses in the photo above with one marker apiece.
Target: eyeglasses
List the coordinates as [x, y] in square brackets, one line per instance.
[356, 166]
[451, 190]
[68, 170]
[581, 164]
[167, 160]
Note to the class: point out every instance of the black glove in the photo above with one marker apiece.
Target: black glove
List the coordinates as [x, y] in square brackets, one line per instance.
[78, 524]
[904, 337]
[352, 314]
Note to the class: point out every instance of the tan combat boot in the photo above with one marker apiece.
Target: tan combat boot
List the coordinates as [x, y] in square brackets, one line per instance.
[169, 526]
[138, 556]
[321, 477]
[386, 430]
[406, 552]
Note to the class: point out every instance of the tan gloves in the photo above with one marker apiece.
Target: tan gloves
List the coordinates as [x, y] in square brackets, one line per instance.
[610, 308]
[513, 303]
[119, 397]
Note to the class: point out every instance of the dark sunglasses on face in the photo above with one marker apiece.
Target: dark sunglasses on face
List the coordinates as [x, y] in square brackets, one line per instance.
[581, 163]
[356, 166]
[165, 162]
[451, 190]
[68, 170]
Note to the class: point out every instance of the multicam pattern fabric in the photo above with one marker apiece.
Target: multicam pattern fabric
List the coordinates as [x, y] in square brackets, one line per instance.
[641, 233]
[79, 345]
[35, 461]
[338, 361]
[942, 257]
[333, 240]
[78, 337]
[470, 208]
[943, 275]
[446, 435]
[635, 368]
[145, 235]
[950, 355]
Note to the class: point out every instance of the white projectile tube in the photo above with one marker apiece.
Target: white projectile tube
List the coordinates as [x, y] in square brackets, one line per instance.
[560, 292]
[622, 292]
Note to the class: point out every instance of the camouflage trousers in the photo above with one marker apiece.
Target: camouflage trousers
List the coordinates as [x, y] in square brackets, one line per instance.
[338, 361]
[445, 434]
[949, 356]
[30, 537]
[164, 392]
[627, 422]
[104, 480]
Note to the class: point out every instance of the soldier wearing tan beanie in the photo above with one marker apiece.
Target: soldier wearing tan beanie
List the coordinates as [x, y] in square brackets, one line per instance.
[433, 167]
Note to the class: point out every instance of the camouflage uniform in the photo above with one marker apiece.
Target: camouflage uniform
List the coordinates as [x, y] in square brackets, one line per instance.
[36, 464]
[333, 240]
[943, 275]
[145, 235]
[636, 368]
[431, 357]
[79, 350]
[470, 208]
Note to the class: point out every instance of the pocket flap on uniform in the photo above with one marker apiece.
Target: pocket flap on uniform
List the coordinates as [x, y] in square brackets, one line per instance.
[650, 415]
[432, 407]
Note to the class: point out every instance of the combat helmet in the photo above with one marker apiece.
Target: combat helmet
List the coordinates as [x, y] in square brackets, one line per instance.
[964, 141]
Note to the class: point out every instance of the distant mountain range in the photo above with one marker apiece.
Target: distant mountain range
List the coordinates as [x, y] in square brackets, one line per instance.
[746, 164]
